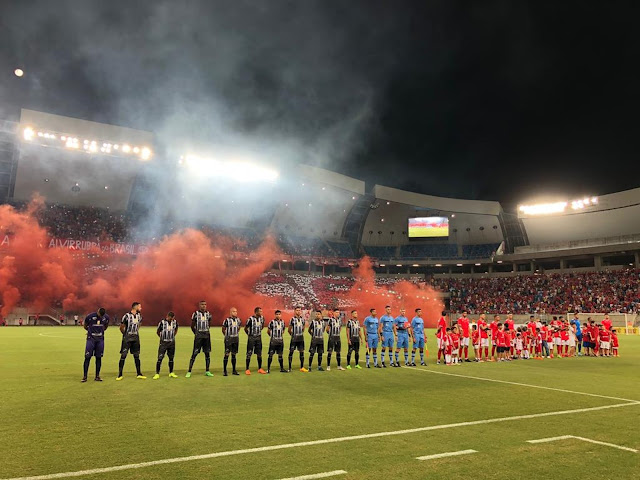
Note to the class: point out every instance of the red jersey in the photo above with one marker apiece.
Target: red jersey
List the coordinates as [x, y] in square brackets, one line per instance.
[475, 337]
[564, 335]
[507, 338]
[594, 332]
[614, 340]
[525, 338]
[532, 327]
[509, 323]
[501, 339]
[482, 325]
[494, 328]
[455, 340]
[605, 336]
[442, 326]
[448, 343]
[606, 323]
[556, 324]
[464, 325]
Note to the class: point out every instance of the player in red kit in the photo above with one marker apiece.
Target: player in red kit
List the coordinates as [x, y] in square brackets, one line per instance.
[606, 323]
[484, 337]
[614, 343]
[493, 326]
[441, 334]
[475, 339]
[463, 324]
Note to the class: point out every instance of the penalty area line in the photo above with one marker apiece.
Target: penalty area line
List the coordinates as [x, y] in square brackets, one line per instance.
[269, 448]
[317, 475]
[562, 390]
[447, 454]
[583, 439]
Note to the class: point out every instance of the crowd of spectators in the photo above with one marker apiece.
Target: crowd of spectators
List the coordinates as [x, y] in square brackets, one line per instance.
[605, 291]
[86, 223]
[610, 291]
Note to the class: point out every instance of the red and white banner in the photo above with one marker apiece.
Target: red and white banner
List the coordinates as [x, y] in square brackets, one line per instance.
[107, 248]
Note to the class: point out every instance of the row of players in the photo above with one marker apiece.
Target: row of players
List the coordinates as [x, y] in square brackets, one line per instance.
[536, 339]
[374, 333]
[386, 331]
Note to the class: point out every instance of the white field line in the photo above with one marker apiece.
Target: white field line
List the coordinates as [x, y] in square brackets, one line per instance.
[317, 475]
[522, 384]
[447, 454]
[269, 448]
[567, 437]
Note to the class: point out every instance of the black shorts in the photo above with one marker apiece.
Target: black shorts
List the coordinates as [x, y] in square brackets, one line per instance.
[276, 348]
[317, 346]
[254, 345]
[296, 345]
[132, 346]
[355, 346]
[335, 344]
[202, 343]
[503, 349]
[231, 345]
[168, 348]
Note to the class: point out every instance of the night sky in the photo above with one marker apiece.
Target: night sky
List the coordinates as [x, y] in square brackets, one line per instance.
[501, 100]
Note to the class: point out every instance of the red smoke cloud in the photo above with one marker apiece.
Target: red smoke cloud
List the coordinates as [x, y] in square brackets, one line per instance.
[174, 274]
[403, 294]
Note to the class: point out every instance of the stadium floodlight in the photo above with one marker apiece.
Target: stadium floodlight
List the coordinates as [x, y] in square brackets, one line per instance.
[543, 208]
[145, 153]
[458, 264]
[28, 133]
[241, 171]
[399, 265]
[126, 148]
[415, 265]
[438, 264]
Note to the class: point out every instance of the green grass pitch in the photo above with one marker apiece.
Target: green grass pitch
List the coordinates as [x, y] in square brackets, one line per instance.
[51, 423]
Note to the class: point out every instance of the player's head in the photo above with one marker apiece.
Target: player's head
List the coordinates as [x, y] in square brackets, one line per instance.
[101, 312]
[387, 309]
[318, 314]
[510, 316]
[531, 318]
[444, 313]
[170, 316]
[233, 311]
[336, 313]
[202, 305]
[496, 318]
[257, 311]
[474, 327]
[372, 312]
[448, 329]
[136, 307]
[278, 314]
[606, 316]
[418, 312]
[555, 318]
[613, 330]
[354, 314]
[403, 312]
[464, 313]
[482, 316]
[297, 311]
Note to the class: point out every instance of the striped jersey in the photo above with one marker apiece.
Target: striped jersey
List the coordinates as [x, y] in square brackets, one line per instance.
[317, 329]
[232, 325]
[131, 322]
[335, 325]
[354, 329]
[297, 328]
[200, 323]
[255, 326]
[167, 330]
[276, 328]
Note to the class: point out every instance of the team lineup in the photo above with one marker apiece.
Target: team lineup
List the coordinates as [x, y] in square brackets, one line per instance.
[535, 339]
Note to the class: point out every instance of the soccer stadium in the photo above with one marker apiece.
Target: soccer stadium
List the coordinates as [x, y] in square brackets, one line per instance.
[190, 310]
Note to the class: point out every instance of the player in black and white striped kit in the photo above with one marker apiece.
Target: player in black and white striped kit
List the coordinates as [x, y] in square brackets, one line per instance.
[296, 330]
[276, 343]
[200, 325]
[130, 328]
[316, 329]
[231, 331]
[167, 331]
[253, 329]
[334, 327]
[354, 335]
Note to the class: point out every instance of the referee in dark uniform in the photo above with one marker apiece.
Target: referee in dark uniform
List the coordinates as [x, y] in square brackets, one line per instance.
[200, 325]
[316, 329]
[296, 330]
[167, 331]
[253, 329]
[231, 330]
[130, 328]
[276, 343]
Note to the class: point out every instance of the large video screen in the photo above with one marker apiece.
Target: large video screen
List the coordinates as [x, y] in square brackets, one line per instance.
[428, 227]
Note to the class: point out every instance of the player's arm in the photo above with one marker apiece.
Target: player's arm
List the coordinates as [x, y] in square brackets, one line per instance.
[380, 329]
[395, 329]
[193, 322]
[269, 328]
[159, 329]
[176, 332]
[348, 334]
[290, 329]
[84, 324]
[224, 327]
[246, 327]
[123, 323]
[310, 333]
